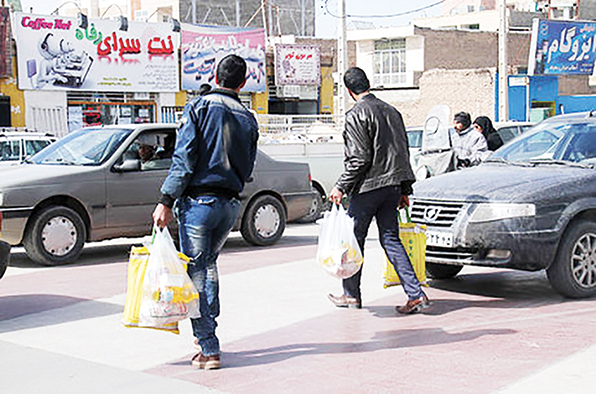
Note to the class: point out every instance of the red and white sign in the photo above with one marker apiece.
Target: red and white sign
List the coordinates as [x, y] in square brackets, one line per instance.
[54, 53]
[297, 64]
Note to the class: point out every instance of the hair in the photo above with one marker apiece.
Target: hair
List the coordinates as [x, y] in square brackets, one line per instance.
[356, 80]
[231, 72]
[464, 118]
[204, 89]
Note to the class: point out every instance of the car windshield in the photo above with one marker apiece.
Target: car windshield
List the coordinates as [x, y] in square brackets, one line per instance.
[552, 143]
[414, 138]
[85, 147]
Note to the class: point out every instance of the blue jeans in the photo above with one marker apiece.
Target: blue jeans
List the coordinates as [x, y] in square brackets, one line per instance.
[382, 205]
[204, 224]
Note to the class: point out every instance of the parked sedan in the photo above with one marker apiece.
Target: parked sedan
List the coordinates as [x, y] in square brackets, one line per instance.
[530, 206]
[16, 146]
[92, 185]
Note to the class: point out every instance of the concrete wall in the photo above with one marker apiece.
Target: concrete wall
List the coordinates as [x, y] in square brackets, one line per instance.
[462, 90]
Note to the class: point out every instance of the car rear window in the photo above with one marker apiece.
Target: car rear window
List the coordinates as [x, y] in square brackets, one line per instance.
[9, 150]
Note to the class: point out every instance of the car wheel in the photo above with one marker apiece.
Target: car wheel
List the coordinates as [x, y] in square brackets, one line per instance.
[264, 221]
[316, 207]
[4, 257]
[573, 273]
[56, 235]
[442, 271]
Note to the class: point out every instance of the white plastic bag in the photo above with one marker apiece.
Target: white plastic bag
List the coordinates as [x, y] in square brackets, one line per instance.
[168, 292]
[338, 252]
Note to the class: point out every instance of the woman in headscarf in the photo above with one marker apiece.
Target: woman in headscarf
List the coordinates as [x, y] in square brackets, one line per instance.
[485, 126]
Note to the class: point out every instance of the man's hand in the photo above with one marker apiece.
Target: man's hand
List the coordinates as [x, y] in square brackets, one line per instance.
[336, 195]
[162, 215]
[404, 201]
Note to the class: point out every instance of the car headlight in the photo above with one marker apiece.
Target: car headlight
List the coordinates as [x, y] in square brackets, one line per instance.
[494, 211]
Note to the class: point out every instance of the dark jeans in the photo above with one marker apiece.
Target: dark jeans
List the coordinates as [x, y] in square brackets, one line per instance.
[382, 205]
[204, 224]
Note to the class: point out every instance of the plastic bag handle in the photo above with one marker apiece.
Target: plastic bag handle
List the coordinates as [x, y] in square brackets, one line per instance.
[408, 218]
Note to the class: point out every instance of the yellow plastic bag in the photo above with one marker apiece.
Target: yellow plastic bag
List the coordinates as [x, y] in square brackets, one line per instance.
[413, 237]
[137, 265]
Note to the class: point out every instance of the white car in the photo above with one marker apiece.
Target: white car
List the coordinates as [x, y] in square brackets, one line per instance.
[16, 146]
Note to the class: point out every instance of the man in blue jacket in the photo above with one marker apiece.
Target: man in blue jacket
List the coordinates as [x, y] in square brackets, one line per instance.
[214, 156]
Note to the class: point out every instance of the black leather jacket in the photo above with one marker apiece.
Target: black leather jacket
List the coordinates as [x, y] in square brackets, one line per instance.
[376, 148]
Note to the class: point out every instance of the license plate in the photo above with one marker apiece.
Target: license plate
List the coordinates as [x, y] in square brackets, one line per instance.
[439, 238]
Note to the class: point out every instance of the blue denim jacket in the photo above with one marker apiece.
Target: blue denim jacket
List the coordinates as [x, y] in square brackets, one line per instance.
[215, 148]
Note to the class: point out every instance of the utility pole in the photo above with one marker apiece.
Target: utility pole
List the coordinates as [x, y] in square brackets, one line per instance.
[503, 71]
[342, 59]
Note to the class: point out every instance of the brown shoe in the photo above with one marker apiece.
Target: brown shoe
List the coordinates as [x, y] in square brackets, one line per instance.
[345, 302]
[205, 362]
[414, 306]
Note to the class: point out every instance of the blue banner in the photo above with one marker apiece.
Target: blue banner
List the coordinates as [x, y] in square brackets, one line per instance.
[562, 47]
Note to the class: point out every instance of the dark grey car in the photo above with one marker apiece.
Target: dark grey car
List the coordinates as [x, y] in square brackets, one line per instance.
[91, 185]
[530, 206]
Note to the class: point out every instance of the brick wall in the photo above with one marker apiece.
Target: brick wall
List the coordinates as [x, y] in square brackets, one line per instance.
[464, 49]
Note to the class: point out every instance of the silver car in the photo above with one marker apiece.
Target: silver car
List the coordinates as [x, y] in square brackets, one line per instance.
[93, 185]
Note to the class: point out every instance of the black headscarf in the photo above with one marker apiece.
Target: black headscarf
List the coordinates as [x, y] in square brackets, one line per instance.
[493, 139]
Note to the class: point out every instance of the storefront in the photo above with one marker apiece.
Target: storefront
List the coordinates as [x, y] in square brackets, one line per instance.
[99, 74]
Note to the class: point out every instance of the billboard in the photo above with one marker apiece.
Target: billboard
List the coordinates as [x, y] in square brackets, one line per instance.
[202, 47]
[54, 53]
[297, 64]
[562, 47]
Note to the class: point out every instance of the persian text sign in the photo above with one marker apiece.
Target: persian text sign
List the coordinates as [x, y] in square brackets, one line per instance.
[202, 48]
[562, 47]
[54, 54]
[297, 64]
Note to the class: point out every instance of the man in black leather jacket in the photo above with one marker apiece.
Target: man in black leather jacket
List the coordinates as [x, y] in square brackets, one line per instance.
[378, 178]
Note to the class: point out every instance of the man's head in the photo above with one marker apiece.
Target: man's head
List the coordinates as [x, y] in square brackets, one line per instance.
[356, 81]
[231, 72]
[146, 152]
[461, 121]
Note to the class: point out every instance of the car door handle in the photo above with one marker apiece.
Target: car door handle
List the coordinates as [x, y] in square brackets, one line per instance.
[249, 179]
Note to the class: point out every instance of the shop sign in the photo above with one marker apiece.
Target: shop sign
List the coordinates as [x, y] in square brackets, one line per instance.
[562, 47]
[54, 53]
[297, 64]
[202, 48]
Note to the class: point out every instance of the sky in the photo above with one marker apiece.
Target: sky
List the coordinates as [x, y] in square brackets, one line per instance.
[326, 12]
[364, 10]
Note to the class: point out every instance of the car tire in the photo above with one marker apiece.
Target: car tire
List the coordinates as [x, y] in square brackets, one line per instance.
[264, 221]
[4, 257]
[316, 207]
[55, 236]
[572, 272]
[442, 271]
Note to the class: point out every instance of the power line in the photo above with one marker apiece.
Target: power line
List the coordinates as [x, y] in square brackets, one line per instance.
[382, 16]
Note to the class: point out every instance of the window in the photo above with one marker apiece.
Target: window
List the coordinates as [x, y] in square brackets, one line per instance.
[389, 62]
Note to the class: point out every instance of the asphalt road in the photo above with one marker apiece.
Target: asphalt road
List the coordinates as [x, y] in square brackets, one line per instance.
[488, 331]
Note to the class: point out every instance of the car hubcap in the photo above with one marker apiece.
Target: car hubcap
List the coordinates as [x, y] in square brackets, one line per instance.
[59, 236]
[267, 221]
[583, 261]
[314, 206]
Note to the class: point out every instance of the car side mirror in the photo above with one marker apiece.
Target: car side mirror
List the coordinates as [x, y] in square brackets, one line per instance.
[128, 165]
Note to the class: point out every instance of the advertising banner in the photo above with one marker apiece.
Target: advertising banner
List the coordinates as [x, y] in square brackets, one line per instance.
[54, 53]
[202, 48]
[562, 47]
[297, 64]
